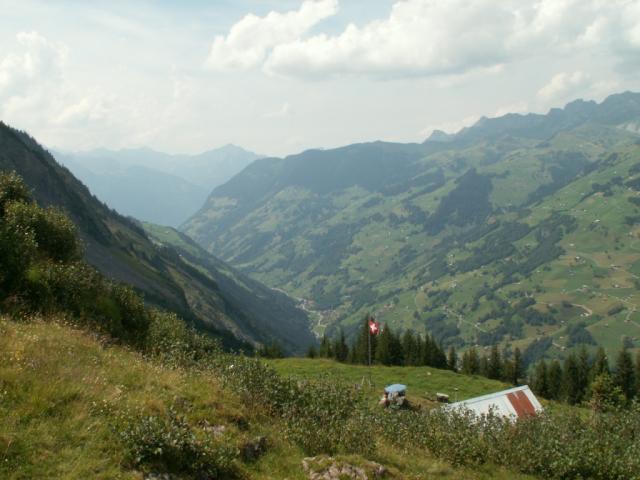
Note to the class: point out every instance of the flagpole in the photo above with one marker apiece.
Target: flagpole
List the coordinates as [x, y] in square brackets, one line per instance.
[369, 338]
[369, 341]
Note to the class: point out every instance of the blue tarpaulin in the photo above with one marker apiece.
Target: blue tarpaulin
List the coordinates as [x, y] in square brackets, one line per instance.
[395, 388]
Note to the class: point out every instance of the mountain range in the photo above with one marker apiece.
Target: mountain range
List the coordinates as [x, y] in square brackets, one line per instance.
[155, 186]
[521, 230]
[213, 297]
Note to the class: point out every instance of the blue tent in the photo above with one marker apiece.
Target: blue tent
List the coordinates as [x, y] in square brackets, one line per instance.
[395, 388]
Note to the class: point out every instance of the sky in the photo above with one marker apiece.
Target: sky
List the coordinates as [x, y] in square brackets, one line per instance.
[281, 76]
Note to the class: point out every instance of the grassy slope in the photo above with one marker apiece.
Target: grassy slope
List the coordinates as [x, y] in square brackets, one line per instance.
[59, 387]
[422, 382]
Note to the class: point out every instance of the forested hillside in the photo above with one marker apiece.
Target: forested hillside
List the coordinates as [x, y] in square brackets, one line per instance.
[521, 230]
[120, 249]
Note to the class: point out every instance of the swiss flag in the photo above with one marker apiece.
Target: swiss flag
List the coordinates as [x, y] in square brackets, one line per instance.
[374, 327]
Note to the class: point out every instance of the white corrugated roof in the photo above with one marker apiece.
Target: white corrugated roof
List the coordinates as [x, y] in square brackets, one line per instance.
[514, 402]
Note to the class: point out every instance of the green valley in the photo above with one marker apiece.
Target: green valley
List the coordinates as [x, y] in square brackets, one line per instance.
[521, 230]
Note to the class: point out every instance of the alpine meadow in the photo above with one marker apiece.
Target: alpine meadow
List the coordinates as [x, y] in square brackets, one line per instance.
[320, 240]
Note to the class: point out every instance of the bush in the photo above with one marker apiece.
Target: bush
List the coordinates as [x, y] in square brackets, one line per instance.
[54, 233]
[12, 189]
[167, 443]
[170, 340]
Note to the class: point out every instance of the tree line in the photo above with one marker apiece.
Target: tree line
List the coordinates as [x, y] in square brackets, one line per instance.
[387, 348]
[582, 378]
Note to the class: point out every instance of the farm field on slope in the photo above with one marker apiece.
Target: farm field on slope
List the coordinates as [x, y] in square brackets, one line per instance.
[521, 228]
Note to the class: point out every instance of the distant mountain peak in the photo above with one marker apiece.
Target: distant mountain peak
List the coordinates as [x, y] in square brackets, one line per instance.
[440, 136]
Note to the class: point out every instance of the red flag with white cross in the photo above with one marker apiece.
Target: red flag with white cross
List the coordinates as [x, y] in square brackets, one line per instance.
[374, 327]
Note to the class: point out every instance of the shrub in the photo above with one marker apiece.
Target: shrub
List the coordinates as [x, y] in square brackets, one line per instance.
[54, 233]
[169, 444]
[12, 189]
[170, 340]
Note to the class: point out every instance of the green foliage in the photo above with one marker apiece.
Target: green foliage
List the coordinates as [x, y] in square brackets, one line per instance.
[12, 189]
[605, 394]
[270, 350]
[54, 233]
[625, 375]
[41, 270]
[321, 416]
[560, 445]
[169, 444]
[174, 343]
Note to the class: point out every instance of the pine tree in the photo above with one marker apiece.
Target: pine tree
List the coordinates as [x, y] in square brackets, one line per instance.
[554, 384]
[383, 352]
[540, 380]
[517, 370]
[439, 359]
[397, 354]
[325, 348]
[600, 363]
[584, 369]
[470, 362]
[409, 348]
[428, 352]
[452, 359]
[340, 348]
[312, 352]
[571, 378]
[483, 368]
[494, 366]
[625, 375]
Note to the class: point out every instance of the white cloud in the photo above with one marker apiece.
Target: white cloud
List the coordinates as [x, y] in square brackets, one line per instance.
[564, 84]
[427, 37]
[420, 37]
[250, 39]
[38, 62]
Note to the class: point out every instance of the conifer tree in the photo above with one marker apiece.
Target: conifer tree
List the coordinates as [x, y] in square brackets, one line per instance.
[409, 348]
[470, 362]
[600, 363]
[397, 355]
[554, 383]
[340, 348]
[419, 350]
[452, 359]
[540, 380]
[325, 350]
[517, 371]
[439, 357]
[573, 388]
[384, 347]
[483, 368]
[584, 369]
[625, 375]
[426, 353]
[312, 352]
[494, 366]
